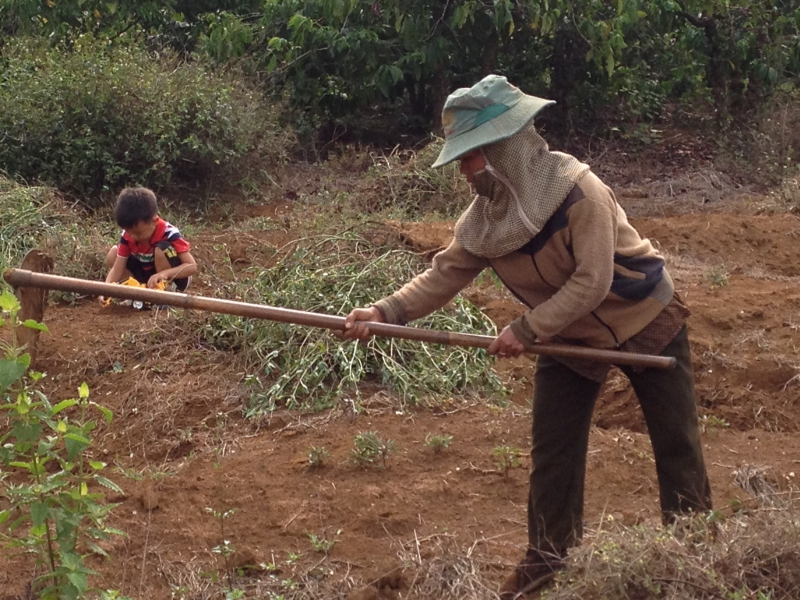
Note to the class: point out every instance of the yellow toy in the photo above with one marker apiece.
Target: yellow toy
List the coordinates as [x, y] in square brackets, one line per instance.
[161, 285]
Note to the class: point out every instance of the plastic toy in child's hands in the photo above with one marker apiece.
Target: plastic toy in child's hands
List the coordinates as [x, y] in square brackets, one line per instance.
[138, 304]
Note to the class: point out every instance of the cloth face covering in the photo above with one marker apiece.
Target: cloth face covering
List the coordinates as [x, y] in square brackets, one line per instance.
[521, 187]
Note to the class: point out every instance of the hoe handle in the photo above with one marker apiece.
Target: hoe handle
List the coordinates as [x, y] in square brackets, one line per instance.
[23, 278]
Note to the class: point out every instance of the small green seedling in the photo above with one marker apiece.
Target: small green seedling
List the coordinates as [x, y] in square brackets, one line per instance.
[717, 277]
[369, 446]
[438, 442]
[226, 548]
[506, 458]
[317, 456]
[322, 544]
[710, 423]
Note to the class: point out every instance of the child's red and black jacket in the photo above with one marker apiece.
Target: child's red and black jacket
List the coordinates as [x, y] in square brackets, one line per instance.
[144, 253]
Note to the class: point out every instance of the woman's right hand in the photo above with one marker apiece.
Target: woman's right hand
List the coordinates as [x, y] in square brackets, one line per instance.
[354, 327]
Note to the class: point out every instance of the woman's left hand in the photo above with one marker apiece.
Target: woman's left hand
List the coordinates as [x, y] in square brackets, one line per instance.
[506, 345]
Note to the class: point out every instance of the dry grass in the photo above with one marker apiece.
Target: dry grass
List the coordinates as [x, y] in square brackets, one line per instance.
[405, 180]
[701, 190]
[752, 554]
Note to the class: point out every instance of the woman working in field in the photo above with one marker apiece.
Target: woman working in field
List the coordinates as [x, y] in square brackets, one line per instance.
[556, 237]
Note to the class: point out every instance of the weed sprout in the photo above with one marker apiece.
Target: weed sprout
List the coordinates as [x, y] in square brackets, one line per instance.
[506, 458]
[317, 456]
[438, 442]
[369, 447]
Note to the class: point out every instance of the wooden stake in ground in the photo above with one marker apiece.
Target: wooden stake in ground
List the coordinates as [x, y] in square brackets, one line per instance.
[33, 301]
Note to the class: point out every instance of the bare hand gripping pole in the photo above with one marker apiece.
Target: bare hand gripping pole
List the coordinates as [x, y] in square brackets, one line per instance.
[23, 278]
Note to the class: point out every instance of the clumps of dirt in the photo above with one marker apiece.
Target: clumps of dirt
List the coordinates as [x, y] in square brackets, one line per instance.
[758, 247]
[427, 238]
[170, 395]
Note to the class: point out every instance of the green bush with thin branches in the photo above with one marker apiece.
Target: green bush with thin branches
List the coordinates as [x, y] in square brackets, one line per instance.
[90, 116]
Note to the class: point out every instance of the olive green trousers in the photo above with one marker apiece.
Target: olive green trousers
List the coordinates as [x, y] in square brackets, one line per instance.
[562, 414]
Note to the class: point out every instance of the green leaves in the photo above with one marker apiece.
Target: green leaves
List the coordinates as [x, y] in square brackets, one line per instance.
[312, 368]
[65, 512]
[10, 372]
[39, 513]
[9, 302]
[31, 324]
[72, 119]
[63, 405]
[75, 444]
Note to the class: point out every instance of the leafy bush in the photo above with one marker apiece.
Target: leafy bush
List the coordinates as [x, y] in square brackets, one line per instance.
[312, 368]
[94, 116]
[52, 505]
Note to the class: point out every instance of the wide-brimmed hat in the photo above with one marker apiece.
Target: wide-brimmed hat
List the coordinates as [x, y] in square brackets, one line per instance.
[490, 111]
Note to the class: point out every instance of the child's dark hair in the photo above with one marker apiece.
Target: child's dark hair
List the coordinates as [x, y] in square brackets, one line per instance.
[135, 205]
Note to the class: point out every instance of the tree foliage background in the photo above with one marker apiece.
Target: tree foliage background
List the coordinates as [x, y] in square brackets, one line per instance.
[387, 65]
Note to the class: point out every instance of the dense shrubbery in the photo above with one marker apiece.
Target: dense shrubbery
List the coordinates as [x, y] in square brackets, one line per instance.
[601, 61]
[377, 69]
[96, 116]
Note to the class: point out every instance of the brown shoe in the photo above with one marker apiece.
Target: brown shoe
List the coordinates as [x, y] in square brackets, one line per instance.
[535, 570]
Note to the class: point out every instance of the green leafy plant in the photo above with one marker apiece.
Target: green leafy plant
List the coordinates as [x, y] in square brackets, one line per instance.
[320, 543]
[506, 458]
[56, 510]
[369, 447]
[317, 456]
[438, 441]
[717, 277]
[711, 423]
[73, 117]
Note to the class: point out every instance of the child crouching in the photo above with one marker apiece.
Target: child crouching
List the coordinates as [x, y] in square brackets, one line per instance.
[150, 250]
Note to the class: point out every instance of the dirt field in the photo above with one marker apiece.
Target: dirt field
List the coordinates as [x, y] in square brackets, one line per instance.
[179, 443]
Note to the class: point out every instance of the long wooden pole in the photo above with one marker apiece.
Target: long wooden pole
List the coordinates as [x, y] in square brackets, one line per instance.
[23, 278]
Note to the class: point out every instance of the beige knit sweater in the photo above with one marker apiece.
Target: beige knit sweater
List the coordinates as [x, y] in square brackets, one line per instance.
[587, 276]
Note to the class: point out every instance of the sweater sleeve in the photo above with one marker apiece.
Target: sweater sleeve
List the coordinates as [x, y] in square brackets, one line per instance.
[593, 234]
[452, 270]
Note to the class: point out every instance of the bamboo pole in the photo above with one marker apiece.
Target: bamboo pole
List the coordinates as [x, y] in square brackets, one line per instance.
[23, 278]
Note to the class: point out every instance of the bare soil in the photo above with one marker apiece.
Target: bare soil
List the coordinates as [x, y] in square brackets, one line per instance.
[179, 444]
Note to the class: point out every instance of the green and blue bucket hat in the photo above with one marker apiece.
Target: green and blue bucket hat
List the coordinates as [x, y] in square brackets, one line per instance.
[490, 111]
